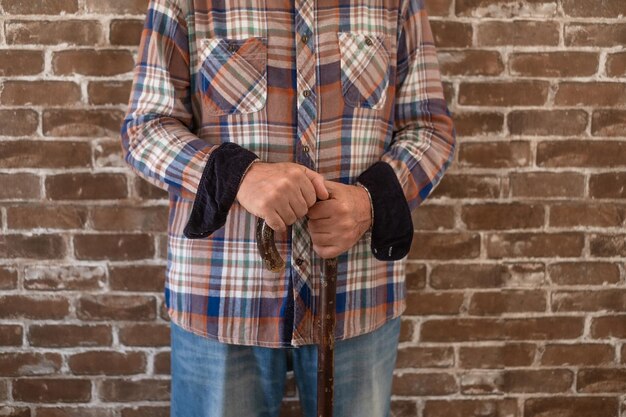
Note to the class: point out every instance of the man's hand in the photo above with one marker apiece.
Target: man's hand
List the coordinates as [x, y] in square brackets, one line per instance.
[336, 224]
[281, 192]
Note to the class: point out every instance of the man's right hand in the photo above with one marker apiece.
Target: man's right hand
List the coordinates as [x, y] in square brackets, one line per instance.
[281, 192]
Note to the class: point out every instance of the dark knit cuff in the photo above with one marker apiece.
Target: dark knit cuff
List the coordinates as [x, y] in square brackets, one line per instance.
[218, 188]
[392, 229]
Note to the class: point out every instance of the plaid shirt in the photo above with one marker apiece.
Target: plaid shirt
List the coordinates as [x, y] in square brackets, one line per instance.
[338, 87]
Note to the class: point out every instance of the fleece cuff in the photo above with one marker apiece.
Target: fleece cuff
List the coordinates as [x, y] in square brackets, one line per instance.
[218, 189]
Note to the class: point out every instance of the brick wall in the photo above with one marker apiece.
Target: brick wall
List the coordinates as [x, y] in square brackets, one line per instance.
[517, 303]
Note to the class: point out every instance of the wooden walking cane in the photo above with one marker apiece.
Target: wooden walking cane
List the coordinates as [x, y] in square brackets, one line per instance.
[326, 315]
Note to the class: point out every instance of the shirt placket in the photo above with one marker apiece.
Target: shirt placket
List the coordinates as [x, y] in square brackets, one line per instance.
[305, 151]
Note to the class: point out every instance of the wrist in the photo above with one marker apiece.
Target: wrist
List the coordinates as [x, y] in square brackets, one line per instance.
[365, 208]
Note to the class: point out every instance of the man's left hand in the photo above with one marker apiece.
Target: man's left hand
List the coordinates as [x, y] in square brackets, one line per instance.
[336, 224]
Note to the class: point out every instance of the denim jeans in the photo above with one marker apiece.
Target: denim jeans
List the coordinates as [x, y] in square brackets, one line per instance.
[213, 379]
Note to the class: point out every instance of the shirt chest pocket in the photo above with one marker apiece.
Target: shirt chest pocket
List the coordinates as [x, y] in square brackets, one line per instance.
[364, 68]
[233, 74]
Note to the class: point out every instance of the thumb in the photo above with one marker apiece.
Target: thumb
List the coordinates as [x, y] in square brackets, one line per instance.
[318, 183]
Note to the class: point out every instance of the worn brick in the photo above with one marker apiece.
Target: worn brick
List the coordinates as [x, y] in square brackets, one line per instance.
[162, 363]
[92, 62]
[125, 32]
[138, 7]
[10, 335]
[584, 273]
[594, 34]
[476, 329]
[407, 330]
[36, 246]
[477, 123]
[74, 411]
[615, 64]
[34, 307]
[547, 184]
[497, 356]
[503, 93]
[467, 186]
[506, 8]
[608, 185]
[554, 64]
[609, 122]
[609, 326]
[601, 380]
[128, 218]
[69, 335]
[123, 390]
[569, 406]
[20, 62]
[18, 122]
[39, 93]
[471, 407]
[537, 380]
[547, 122]
[519, 33]
[44, 154]
[51, 7]
[29, 363]
[549, 245]
[608, 245]
[116, 307]
[495, 154]
[109, 92]
[425, 357]
[78, 122]
[113, 247]
[52, 390]
[450, 34]
[470, 62]
[34, 215]
[507, 301]
[430, 384]
[146, 410]
[137, 278]
[72, 32]
[8, 278]
[87, 186]
[453, 276]
[100, 362]
[433, 217]
[445, 246]
[596, 300]
[148, 334]
[415, 279]
[439, 303]
[581, 153]
[589, 214]
[502, 216]
[19, 186]
[579, 354]
[594, 8]
[598, 94]
[69, 277]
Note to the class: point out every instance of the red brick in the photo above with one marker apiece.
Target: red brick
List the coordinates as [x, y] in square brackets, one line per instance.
[438, 7]
[138, 7]
[128, 218]
[113, 247]
[450, 34]
[33, 215]
[137, 278]
[73, 411]
[61, 277]
[584, 273]
[601, 380]
[548, 245]
[615, 64]
[407, 330]
[123, 390]
[149, 334]
[52, 7]
[107, 153]
[445, 246]
[547, 184]
[107, 363]
[609, 327]
[498, 356]
[425, 357]
[596, 300]
[579, 354]
[457, 276]
[598, 94]
[125, 32]
[20, 62]
[109, 92]
[34, 307]
[503, 93]
[85, 186]
[547, 122]
[69, 335]
[92, 62]
[10, 335]
[162, 363]
[475, 329]
[430, 384]
[8, 278]
[607, 185]
[519, 33]
[608, 123]
[73, 32]
[581, 153]
[415, 276]
[507, 301]
[44, 154]
[554, 64]
[587, 214]
[29, 363]
[439, 303]
[608, 245]
[508, 154]
[18, 122]
[71, 122]
[37, 246]
[539, 380]
[594, 8]
[570, 406]
[594, 34]
[470, 62]
[147, 191]
[433, 217]
[19, 187]
[146, 410]
[52, 390]
[477, 123]
[502, 216]
[116, 307]
[398, 409]
[506, 8]
[464, 408]
[467, 186]
[39, 93]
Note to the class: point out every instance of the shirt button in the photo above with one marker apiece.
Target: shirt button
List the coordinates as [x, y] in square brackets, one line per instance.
[306, 93]
[305, 148]
[305, 38]
[232, 47]
[368, 41]
[299, 261]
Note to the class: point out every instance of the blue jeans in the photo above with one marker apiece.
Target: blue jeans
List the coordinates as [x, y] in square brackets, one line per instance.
[213, 379]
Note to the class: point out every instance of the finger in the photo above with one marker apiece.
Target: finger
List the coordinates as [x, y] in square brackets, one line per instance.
[318, 183]
[322, 225]
[275, 222]
[287, 215]
[321, 210]
[308, 191]
[299, 206]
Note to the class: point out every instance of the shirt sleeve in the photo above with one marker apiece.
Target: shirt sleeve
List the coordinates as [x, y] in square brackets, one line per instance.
[424, 138]
[156, 134]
